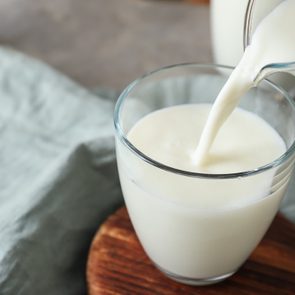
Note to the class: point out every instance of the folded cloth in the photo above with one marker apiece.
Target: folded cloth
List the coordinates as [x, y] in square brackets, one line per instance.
[58, 178]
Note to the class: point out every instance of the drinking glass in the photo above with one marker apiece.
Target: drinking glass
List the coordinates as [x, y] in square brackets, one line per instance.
[188, 242]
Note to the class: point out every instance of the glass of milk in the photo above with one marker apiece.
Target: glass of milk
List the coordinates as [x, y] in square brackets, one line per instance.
[199, 228]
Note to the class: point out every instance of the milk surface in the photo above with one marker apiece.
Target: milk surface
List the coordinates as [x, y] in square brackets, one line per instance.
[169, 136]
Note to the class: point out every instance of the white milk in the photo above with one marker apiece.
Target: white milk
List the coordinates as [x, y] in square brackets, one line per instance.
[196, 227]
[174, 131]
[272, 42]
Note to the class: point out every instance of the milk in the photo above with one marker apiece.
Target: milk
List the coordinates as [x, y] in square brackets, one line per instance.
[272, 42]
[199, 227]
[175, 130]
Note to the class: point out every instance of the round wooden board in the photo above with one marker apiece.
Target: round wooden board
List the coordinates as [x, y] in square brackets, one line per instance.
[117, 264]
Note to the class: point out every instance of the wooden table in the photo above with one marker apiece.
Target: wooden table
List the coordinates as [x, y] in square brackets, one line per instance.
[117, 264]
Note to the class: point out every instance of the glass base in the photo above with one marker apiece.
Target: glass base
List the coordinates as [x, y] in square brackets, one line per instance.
[195, 281]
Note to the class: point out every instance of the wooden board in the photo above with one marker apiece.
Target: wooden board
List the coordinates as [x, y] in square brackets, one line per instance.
[117, 264]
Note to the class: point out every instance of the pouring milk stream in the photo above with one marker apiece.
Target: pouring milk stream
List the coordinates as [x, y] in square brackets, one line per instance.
[273, 42]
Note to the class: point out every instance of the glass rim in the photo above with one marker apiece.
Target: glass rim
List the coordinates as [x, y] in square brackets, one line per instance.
[121, 135]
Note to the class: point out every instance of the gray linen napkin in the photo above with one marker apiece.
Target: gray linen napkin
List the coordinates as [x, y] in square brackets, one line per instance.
[58, 177]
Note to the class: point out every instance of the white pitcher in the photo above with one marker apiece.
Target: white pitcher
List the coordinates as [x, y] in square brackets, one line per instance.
[227, 26]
